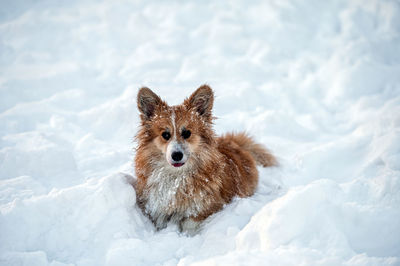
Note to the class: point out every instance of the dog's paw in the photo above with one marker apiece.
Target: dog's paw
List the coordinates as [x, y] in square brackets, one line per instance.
[189, 226]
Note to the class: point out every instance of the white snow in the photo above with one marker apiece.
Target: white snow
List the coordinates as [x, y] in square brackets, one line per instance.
[318, 82]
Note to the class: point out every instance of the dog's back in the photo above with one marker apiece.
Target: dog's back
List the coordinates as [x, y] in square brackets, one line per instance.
[241, 155]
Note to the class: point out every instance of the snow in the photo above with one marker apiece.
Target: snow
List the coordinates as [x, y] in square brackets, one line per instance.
[315, 81]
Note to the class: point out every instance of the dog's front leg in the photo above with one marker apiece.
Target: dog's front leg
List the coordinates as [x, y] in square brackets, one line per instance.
[189, 226]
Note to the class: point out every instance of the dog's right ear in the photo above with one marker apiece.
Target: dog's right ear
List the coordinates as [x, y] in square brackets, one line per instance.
[202, 101]
[147, 102]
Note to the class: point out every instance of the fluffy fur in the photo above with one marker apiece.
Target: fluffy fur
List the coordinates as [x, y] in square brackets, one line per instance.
[184, 171]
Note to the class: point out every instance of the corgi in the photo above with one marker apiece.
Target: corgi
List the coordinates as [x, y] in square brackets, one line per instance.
[185, 173]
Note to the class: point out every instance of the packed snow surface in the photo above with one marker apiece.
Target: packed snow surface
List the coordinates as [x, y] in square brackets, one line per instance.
[318, 82]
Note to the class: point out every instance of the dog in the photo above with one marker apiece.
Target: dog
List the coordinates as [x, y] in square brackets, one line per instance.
[185, 173]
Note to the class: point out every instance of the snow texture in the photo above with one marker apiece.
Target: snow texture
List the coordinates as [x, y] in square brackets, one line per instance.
[318, 82]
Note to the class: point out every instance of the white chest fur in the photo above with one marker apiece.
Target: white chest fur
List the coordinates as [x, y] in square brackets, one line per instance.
[164, 186]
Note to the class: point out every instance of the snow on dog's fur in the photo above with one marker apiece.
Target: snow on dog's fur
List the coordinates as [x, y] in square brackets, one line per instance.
[184, 171]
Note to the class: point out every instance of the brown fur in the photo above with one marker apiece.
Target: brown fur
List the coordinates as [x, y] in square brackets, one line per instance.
[217, 168]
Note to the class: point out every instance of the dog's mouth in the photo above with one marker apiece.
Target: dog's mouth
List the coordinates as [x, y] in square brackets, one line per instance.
[177, 164]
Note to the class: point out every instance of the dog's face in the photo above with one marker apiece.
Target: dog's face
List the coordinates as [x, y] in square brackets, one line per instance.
[175, 134]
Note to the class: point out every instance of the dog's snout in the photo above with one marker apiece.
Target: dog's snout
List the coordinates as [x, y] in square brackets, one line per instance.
[177, 156]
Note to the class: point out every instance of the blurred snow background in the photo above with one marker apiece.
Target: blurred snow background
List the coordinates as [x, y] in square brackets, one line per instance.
[318, 82]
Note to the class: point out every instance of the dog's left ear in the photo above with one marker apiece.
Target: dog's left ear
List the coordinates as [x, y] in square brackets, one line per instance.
[148, 102]
[202, 101]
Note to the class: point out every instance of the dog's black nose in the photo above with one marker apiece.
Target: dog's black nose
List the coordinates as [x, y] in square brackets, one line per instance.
[177, 156]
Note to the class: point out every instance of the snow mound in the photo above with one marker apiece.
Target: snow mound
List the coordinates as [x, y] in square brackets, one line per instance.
[88, 215]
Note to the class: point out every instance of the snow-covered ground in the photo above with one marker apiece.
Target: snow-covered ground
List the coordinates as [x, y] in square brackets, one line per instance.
[318, 82]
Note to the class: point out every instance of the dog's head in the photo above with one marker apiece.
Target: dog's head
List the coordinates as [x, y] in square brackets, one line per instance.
[179, 133]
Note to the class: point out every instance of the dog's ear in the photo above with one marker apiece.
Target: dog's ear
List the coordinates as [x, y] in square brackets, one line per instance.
[202, 101]
[147, 102]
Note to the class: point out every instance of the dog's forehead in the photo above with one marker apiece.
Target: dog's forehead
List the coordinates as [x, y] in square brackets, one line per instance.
[175, 117]
[164, 112]
[169, 113]
[181, 112]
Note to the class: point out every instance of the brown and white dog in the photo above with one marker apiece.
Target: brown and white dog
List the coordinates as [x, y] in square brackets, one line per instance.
[184, 171]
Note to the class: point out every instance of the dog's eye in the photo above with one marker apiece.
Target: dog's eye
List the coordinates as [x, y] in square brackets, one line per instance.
[166, 135]
[186, 134]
